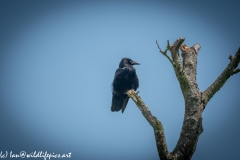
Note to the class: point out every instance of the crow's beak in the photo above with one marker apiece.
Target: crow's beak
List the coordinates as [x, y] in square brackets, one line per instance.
[135, 63]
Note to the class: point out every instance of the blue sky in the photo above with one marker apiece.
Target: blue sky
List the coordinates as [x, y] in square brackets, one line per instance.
[57, 63]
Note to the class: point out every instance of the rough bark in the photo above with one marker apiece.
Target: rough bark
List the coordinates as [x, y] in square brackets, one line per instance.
[195, 100]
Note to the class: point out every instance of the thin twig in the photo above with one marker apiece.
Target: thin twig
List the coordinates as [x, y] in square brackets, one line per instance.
[165, 52]
[236, 71]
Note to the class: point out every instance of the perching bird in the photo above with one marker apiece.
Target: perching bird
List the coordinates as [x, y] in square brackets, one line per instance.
[125, 79]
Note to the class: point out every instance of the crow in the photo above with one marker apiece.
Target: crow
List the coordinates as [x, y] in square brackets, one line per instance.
[125, 79]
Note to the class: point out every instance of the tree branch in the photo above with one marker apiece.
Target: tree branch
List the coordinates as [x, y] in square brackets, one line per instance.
[219, 82]
[155, 123]
[189, 55]
[165, 52]
[174, 49]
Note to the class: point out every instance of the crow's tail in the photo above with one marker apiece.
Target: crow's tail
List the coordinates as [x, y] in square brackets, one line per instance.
[119, 102]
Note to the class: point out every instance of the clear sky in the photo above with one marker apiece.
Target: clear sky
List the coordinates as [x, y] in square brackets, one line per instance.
[58, 59]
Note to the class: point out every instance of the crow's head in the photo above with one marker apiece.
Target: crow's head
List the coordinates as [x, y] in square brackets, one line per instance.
[127, 62]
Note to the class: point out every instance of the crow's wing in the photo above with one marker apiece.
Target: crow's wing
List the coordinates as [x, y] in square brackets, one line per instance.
[117, 101]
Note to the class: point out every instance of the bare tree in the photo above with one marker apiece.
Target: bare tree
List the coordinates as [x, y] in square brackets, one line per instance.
[195, 100]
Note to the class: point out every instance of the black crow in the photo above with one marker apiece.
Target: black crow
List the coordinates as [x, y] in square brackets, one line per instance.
[125, 79]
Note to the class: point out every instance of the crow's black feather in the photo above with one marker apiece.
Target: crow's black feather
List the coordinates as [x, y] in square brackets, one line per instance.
[125, 79]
